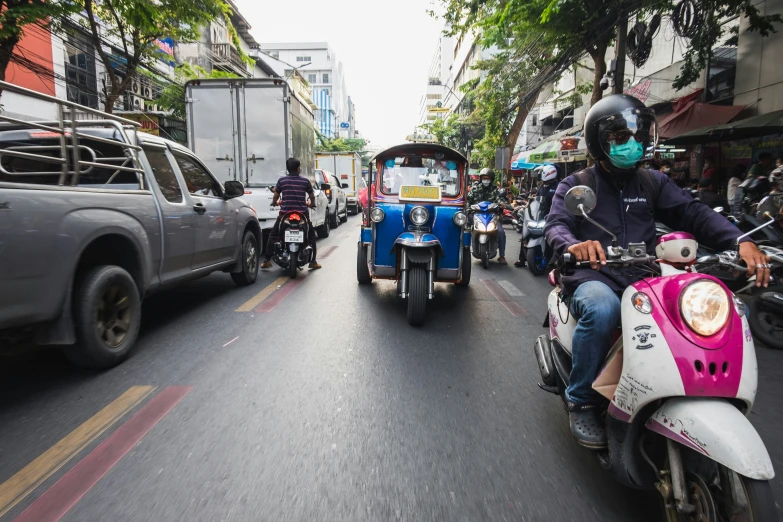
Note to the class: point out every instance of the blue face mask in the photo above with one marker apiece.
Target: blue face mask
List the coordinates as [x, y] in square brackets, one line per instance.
[626, 155]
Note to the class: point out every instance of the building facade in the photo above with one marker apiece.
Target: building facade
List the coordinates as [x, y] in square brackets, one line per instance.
[317, 62]
[440, 68]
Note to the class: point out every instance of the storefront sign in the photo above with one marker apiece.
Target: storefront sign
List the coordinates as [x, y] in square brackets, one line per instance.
[149, 122]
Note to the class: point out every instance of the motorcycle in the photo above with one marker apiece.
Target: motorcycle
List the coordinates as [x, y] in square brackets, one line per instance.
[681, 380]
[289, 254]
[533, 238]
[484, 236]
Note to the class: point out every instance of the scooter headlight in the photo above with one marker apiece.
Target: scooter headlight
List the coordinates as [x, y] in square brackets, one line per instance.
[492, 226]
[419, 215]
[460, 219]
[377, 215]
[704, 306]
[478, 225]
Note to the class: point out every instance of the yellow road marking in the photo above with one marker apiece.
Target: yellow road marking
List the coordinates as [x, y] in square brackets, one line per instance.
[34, 474]
[263, 294]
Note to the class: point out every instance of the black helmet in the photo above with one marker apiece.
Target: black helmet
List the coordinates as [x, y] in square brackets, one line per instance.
[621, 130]
[486, 171]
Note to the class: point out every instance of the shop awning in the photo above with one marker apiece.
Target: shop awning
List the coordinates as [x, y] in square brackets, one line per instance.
[690, 114]
[566, 145]
[754, 127]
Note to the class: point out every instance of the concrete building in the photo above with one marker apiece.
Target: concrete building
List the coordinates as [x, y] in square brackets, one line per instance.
[321, 68]
[439, 72]
[466, 53]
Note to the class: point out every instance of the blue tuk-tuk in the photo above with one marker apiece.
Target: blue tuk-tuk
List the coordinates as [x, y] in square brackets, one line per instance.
[413, 228]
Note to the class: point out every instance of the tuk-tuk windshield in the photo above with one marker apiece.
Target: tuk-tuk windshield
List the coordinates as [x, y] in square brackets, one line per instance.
[421, 171]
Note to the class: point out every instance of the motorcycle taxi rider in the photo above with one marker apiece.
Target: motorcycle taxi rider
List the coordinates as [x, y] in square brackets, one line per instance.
[547, 194]
[487, 191]
[618, 131]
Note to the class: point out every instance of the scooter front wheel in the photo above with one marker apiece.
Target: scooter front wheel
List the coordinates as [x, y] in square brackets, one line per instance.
[766, 324]
[485, 257]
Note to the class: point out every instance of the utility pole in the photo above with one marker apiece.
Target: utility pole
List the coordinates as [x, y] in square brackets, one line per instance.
[622, 34]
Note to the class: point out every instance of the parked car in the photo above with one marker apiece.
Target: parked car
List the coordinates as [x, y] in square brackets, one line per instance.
[84, 243]
[335, 194]
[362, 195]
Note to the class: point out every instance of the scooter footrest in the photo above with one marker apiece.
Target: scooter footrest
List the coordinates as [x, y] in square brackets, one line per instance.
[550, 389]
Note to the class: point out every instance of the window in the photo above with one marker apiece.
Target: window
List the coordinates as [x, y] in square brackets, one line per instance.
[326, 78]
[164, 175]
[434, 96]
[311, 78]
[274, 54]
[197, 179]
[81, 82]
[420, 171]
[535, 120]
[303, 59]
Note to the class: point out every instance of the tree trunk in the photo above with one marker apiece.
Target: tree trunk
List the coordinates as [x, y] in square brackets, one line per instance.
[7, 46]
[519, 119]
[599, 63]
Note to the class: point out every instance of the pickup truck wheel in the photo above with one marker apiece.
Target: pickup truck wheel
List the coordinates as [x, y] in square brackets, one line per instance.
[334, 221]
[249, 261]
[344, 217]
[107, 315]
[323, 230]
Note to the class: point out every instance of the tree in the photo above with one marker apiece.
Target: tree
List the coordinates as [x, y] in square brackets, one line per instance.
[16, 15]
[135, 25]
[172, 96]
[457, 132]
[325, 144]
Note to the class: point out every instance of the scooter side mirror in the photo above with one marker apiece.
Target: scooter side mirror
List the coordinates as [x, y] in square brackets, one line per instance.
[580, 200]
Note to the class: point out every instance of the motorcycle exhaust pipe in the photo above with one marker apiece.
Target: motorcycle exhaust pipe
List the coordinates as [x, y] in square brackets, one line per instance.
[543, 350]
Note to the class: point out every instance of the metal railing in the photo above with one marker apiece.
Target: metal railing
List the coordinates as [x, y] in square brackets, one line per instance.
[227, 56]
[67, 128]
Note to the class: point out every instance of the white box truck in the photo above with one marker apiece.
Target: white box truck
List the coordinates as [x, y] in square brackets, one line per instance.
[347, 166]
[246, 129]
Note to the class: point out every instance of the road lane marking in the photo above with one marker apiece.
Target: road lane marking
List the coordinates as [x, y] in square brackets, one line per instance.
[34, 474]
[66, 492]
[500, 294]
[512, 290]
[327, 252]
[263, 294]
[278, 297]
[231, 341]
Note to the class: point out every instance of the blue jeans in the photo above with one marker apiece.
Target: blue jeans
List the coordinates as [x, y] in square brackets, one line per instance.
[502, 240]
[597, 308]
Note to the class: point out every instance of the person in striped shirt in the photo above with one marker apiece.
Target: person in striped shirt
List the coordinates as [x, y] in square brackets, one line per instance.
[294, 190]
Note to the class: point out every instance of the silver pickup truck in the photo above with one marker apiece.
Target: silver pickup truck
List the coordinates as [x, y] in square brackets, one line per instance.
[96, 216]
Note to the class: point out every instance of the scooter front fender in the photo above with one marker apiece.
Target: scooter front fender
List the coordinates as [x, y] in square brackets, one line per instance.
[717, 430]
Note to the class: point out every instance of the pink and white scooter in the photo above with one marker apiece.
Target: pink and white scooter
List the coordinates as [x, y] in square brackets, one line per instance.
[681, 380]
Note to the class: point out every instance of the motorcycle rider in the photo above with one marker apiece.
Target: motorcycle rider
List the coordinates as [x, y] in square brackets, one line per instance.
[487, 191]
[618, 131]
[293, 188]
[547, 193]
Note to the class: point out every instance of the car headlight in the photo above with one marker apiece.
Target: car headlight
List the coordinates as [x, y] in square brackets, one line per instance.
[419, 215]
[492, 226]
[704, 306]
[377, 215]
[478, 225]
[460, 219]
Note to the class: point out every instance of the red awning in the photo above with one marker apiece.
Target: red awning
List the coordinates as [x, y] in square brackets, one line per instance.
[690, 114]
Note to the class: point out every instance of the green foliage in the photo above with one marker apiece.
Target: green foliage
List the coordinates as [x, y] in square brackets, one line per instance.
[234, 36]
[137, 24]
[16, 15]
[712, 31]
[456, 132]
[172, 97]
[324, 144]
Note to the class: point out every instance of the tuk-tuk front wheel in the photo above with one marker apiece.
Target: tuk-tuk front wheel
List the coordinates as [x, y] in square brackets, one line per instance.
[417, 295]
[467, 264]
[362, 272]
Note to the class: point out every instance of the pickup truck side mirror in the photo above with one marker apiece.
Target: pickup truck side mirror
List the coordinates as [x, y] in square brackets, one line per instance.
[325, 187]
[233, 189]
[344, 185]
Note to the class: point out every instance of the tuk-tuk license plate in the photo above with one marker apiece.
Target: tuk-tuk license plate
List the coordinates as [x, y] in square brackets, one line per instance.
[294, 236]
[419, 193]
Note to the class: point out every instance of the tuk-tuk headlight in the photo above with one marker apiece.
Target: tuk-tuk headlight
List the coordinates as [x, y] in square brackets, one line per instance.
[377, 215]
[460, 219]
[419, 215]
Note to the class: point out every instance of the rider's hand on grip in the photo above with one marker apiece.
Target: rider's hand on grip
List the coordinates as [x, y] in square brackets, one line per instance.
[591, 251]
[756, 261]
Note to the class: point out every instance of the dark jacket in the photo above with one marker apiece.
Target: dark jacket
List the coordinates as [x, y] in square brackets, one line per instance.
[547, 193]
[479, 193]
[712, 199]
[626, 213]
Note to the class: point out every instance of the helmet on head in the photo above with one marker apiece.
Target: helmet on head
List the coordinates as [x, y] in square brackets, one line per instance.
[620, 130]
[487, 172]
[548, 173]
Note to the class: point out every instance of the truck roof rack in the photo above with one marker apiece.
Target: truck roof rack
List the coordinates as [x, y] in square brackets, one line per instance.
[71, 117]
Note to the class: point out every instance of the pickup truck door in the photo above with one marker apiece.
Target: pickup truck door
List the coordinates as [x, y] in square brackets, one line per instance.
[178, 216]
[215, 218]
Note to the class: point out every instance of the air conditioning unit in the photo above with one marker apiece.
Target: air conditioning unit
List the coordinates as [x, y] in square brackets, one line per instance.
[152, 107]
[147, 92]
[136, 103]
[135, 87]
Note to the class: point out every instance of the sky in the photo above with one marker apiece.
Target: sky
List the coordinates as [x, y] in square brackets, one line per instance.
[386, 49]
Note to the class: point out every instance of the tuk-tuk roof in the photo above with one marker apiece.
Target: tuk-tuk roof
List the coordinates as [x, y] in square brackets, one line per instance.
[407, 148]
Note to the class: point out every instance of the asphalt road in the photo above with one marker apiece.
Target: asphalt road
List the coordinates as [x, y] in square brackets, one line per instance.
[324, 405]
